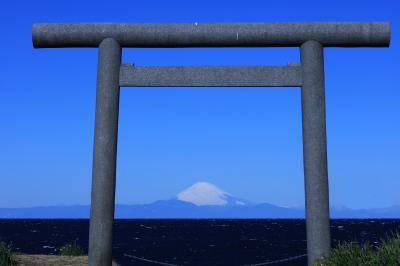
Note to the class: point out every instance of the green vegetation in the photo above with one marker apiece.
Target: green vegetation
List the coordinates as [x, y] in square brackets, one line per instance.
[72, 249]
[351, 254]
[6, 256]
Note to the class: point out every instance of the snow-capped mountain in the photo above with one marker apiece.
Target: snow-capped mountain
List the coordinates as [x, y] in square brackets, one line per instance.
[201, 200]
[206, 194]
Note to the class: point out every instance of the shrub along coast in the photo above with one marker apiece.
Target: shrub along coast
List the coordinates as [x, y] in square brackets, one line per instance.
[353, 254]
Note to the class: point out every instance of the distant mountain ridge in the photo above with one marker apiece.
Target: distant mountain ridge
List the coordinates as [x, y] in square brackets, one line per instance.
[201, 200]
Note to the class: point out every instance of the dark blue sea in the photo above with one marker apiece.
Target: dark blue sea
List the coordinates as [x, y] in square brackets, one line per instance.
[193, 242]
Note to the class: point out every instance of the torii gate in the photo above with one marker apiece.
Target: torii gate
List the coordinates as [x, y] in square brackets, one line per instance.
[309, 75]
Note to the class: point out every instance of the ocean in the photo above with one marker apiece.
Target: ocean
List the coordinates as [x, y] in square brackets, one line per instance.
[193, 242]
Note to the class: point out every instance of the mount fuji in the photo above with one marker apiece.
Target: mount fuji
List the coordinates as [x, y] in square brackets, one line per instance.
[206, 194]
[201, 200]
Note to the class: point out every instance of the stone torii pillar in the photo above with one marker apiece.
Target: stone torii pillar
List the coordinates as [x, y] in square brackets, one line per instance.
[111, 75]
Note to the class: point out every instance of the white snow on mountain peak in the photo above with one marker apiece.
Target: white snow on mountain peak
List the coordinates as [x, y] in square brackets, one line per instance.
[238, 202]
[203, 193]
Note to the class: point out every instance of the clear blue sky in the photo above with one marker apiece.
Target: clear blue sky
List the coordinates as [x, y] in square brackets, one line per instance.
[247, 141]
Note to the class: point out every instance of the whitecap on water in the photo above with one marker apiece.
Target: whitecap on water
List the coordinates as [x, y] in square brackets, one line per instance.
[148, 227]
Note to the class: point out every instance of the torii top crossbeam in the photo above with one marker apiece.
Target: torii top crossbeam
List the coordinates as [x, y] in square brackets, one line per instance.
[328, 34]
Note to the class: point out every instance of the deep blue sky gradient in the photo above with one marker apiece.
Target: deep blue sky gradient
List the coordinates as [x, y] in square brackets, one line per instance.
[245, 140]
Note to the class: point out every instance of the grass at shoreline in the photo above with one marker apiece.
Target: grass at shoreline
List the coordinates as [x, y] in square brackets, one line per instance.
[7, 257]
[349, 254]
[70, 255]
[72, 249]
